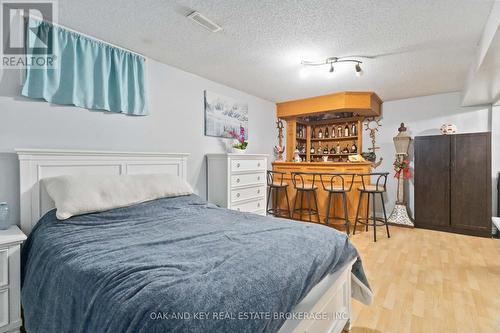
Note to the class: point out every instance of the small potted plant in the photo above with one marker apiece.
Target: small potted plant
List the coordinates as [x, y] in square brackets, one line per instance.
[240, 145]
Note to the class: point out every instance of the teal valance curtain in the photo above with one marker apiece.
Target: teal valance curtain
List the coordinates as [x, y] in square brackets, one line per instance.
[85, 72]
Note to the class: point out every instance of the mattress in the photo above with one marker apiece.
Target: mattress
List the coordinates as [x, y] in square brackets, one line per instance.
[177, 264]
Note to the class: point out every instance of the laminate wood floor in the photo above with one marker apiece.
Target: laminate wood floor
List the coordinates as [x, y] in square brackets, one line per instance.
[429, 281]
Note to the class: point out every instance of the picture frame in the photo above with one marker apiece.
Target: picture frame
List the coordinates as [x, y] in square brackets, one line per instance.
[224, 114]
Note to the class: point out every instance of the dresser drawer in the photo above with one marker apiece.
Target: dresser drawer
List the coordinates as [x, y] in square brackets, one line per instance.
[248, 165]
[247, 193]
[4, 307]
[252, 206]
[4, 267]
[248, 179]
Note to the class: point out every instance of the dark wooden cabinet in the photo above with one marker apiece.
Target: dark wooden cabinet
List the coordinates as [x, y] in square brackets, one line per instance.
[453, 183]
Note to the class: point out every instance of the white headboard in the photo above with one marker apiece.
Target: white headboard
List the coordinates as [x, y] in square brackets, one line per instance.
[36, 164]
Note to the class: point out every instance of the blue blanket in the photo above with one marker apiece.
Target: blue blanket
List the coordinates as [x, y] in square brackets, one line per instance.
[174, 265]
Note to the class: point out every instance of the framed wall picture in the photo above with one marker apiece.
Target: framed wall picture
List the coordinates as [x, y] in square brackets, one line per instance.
[224, 114]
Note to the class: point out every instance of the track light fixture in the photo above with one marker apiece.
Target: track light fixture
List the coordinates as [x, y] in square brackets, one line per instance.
[333, 60]
[358, 70]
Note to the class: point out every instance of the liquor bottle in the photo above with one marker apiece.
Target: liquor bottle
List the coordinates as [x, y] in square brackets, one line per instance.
[319, 150]
[337, 149]
[345, 150]
[312, 133]
[354, 148]
[339, 131]
[332, 151]
[312, 150]
[325, 150]
[333, 132]
[346, 130]
[320, 134]
[327, 134]
[354, 130]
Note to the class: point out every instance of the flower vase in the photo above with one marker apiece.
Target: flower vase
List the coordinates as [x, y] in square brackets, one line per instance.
[238, 151]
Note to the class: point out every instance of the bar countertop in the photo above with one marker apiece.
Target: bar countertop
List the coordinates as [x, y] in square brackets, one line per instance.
[322, 164]
[323, 196]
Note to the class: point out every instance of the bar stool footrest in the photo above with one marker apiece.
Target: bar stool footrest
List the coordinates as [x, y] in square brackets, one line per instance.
[369, 221]
[277, 211]
[333, 218]
[305, 211]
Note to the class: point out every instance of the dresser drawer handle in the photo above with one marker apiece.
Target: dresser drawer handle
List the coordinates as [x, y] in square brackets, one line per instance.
[237, 180]
[237, 165]
[237, 195]
[258, 204]
[258, 191]
[238, 209]
[258, 177]
[258, 164]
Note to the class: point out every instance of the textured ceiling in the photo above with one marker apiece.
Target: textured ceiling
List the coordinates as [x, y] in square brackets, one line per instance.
[419, 47]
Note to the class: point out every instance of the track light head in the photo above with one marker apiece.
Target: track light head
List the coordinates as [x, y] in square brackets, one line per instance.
[331, 68]
[358, 69]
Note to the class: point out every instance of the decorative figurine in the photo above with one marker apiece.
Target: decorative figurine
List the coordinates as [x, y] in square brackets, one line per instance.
[278, 150]
[296, 156]
[372, 125]
[448, 129]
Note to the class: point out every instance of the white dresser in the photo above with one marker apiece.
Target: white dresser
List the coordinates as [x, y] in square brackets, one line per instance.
[10, 279]
[238, 181]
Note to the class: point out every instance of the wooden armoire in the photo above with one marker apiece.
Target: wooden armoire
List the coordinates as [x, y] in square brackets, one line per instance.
[453, 183]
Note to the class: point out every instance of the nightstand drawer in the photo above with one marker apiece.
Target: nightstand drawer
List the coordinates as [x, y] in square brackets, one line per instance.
[248, 179]
[248, 165]
[252, 206]
[4, 307]
[247, 193]
[4, 267]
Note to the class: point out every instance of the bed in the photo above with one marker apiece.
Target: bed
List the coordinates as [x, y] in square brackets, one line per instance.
[176, 264]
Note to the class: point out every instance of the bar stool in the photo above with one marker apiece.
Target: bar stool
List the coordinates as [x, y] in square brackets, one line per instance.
[275, 182]
[373, 190]
[301, 186]
[335, 183]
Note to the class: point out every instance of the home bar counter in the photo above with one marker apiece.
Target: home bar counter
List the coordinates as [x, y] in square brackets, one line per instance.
[326, 133]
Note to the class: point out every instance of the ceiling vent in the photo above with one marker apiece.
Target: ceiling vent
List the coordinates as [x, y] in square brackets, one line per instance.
[204, 22]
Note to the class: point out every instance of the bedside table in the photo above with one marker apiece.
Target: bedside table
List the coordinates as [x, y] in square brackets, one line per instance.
[10, 279]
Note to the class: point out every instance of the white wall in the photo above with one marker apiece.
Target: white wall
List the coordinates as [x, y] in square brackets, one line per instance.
[423, 116]
[176, 124]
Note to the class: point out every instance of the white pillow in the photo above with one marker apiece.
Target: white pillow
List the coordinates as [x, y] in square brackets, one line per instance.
[82, 194]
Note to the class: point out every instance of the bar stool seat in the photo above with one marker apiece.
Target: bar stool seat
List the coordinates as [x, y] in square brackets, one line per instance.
[308, 188]
[275, 184]
[278, 184]
[334, 188]
[372, 190]
[335, 184]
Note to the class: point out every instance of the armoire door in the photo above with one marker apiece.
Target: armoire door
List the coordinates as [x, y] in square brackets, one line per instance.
[471, 183]
[432, 182]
